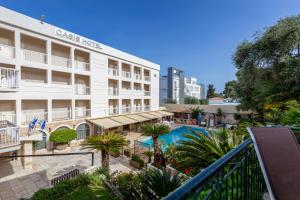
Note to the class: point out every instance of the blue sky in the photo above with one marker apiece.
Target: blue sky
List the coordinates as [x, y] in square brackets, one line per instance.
[198, 36]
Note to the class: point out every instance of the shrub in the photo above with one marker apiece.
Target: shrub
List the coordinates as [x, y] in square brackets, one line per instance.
[137, 158]
[129, 185]
[63, 136]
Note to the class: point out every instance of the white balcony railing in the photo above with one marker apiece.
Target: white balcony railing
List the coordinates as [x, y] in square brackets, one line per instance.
[113, 91]
[137, 76]
[113, 110]
[137, 108]
[147, 108]
[61, 61]
[7, 51]
[9, 78]
[61, 114]
[147, 78]
[82, 66]
[34, 56]
[147, 93]
[82, 89]
[126, 74]
[27, 117]
[126, 109]
[113, 72]
[10, 117]
[9, 136]
[82, 113]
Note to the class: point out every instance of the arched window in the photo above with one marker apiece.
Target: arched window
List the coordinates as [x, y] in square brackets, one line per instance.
[83, 131]
[37, 145]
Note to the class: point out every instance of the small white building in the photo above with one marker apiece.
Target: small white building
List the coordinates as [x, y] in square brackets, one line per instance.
[193, 89]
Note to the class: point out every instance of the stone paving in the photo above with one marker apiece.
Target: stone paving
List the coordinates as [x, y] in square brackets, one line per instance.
[16, 182]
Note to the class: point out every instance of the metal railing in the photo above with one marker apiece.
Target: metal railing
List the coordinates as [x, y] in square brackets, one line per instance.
[113, 110]
[126, 74]
[7, 51]
[82, 89]
[137, 76]
[27, 117]
[82, 113]
[9, 136]
[147, 78]
[126, 109]
[9, 78]
[236, 175]
[10, 117]
[113, 72]
[34, 56]
[58, 114]
[83, 66]
[147, 93]
[147, 108]
[137, 108]
[113, 91]
[61, 61]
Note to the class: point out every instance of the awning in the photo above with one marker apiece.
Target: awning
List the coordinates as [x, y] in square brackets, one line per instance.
[105, 123]
[160, 115]
[124, 120]
[147, 115]
[165, 113]
[138, 118]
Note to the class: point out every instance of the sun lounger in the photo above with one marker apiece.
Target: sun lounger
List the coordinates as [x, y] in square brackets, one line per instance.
[279, 157]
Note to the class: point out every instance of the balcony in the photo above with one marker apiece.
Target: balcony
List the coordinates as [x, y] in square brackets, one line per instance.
[82, 113]
[147, 108]
[61, 61]
[9, 136]
[126, 74]
[61, 114]
[113, 110]
[137, 108]
[9, 78]
[113, 91]
[137, 77]
[34, 56]
[82, 89]
[147, 93]
[82, 66]
[28, 116]
[10, 117]
[126, 109]
[7, 51]
[113, 72]
[147, 78]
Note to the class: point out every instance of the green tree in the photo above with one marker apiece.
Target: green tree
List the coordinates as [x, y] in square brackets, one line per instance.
[196, 111]
[110, 142]
[155, 130]
[198, 150]
[292, 115]
[191, 100]
[210, 91]
[230, 89]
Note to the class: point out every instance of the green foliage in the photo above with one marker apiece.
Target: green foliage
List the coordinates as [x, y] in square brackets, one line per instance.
[155, 129]
[203, 101]
[63, 136]
[137, 158]
[198, 150]
[269, 67]
[210, 91]
[230, 89]
[149, 154]
[170, 101]
[196, 111]
[292, 115]
[191, 100]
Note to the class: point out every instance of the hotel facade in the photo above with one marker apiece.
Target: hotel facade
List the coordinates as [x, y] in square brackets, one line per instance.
[70, 82]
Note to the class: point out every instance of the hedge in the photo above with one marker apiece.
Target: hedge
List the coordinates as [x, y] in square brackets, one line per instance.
[63, 136]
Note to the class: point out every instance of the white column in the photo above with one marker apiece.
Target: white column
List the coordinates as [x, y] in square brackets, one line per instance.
[72, 58]
[49, 76]
[49, 52]
[49, 102]
[73, 108]
[18, 111]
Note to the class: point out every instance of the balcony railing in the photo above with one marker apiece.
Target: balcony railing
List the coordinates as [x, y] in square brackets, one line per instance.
[147, 78]
[9, 134]
[82, 90]
[27, 117]
[237, 175]
[113, 110]
[113, 91]
[82, 113]
[82, 66]
[137, 108]
[126, 109]
[147, 93]
[113, 72]
[10, 117]
[7, 51]
[58, 114]
[147, 108]
[34, 56]
[9, 78]
[137, 76]
[126, 74]
[61, 61]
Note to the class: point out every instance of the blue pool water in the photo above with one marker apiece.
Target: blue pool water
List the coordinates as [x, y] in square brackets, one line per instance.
[175, 135]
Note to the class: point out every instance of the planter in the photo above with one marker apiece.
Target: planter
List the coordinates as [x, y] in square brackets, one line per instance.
[135, 164]
[61, 146]
[127, 153]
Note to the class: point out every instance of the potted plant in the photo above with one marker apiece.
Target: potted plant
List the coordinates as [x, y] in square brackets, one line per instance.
[127, 152]
[136, 161]
[62, 138]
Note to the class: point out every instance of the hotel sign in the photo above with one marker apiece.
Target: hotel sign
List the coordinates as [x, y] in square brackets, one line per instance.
[78, 39]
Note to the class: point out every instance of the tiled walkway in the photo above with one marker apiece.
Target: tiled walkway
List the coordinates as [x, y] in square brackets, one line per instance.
[16, 182]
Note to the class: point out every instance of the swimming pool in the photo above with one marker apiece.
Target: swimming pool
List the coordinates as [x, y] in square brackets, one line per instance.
[174, 136]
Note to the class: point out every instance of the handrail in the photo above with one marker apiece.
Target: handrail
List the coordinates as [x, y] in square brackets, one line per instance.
[194, 183]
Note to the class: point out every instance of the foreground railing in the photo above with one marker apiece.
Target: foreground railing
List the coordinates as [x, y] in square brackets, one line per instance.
[8, 78]
[237, 175]
[9, 134]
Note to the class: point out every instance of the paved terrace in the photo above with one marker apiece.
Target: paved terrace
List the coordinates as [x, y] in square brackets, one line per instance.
[16, 182]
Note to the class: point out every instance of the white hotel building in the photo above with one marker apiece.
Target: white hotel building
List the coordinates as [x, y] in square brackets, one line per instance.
[70, 81]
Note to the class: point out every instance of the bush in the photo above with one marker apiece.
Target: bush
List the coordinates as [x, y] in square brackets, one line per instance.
[63, 136]
[62, 188]
[129, 185]
[137, 158]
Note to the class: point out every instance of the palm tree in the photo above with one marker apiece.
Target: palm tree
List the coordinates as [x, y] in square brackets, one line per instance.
[199, 150]
[106, 143]
[155, 130]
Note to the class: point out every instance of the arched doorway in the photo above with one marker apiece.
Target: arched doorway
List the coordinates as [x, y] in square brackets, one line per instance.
[83, 131]
[38, 145]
